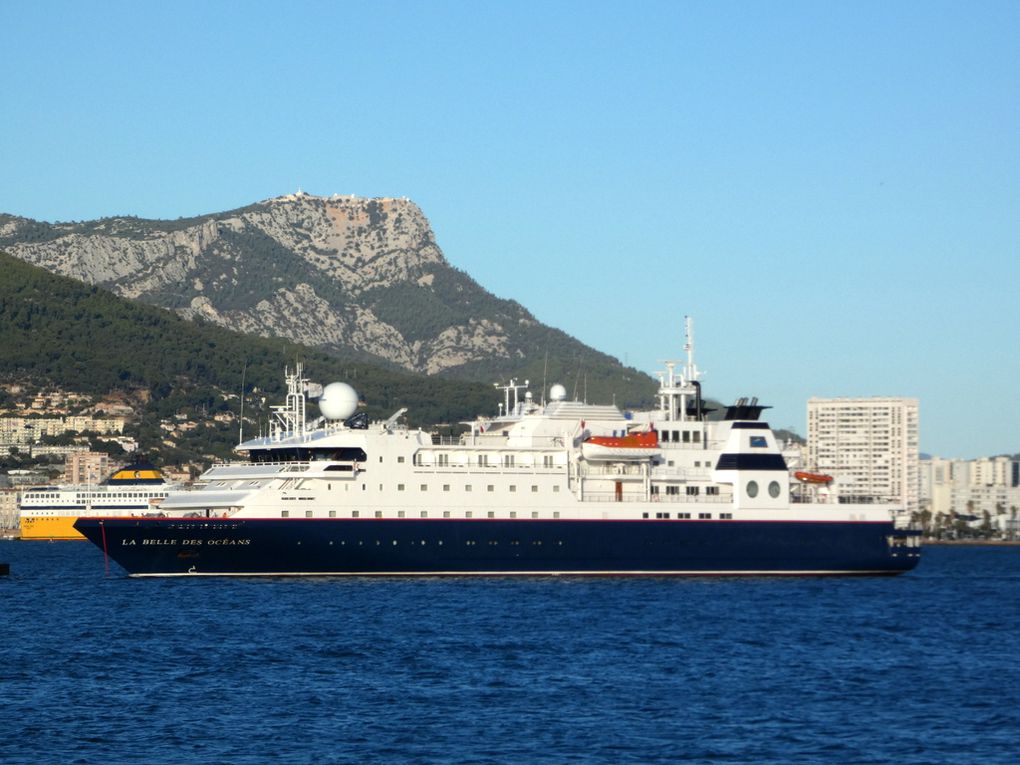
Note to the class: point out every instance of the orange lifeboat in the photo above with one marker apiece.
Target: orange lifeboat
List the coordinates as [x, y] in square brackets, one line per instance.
[805, 477]
[627, 447]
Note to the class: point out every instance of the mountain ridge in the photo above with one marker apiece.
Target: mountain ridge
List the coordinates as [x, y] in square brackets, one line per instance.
[342, 273]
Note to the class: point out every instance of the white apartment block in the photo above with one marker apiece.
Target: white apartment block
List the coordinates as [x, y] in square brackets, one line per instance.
[971, 487]
[869, 445]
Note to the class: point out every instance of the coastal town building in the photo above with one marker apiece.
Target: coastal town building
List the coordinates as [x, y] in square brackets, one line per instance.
[17, 431]
[870, 445]
[981, 491]
[86, 468]
[8, 509]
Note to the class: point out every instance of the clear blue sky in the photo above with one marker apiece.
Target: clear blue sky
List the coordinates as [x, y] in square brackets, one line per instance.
[832, 190]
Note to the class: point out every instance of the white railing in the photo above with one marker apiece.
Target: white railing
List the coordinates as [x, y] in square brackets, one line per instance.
[665, 499]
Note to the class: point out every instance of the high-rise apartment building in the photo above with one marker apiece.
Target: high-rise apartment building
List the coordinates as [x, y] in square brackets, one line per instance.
[870, 446]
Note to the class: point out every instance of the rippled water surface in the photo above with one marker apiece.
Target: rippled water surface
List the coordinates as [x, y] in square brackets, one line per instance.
[922, 668]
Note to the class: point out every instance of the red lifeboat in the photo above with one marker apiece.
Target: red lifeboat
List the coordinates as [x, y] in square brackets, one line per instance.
[818, 478]
[631, 446]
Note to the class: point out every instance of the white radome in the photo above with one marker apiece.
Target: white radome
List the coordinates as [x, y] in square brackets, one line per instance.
[557, 392]
[338, 402]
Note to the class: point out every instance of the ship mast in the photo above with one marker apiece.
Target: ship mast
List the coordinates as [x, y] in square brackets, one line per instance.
[675, 390]
[290, 417]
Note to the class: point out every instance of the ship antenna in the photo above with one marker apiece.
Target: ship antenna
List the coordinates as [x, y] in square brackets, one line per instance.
[691, 372]
[240, 427]
[545, 370]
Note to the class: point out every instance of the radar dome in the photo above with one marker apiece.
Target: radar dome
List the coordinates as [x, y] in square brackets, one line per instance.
[338, 401]
[557, 392]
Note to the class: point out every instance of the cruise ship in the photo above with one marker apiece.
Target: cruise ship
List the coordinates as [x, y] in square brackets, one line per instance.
[547, 487]
[49, 512]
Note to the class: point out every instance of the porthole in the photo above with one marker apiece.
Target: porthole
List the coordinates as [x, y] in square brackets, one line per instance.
[752, 489]
[774, 489]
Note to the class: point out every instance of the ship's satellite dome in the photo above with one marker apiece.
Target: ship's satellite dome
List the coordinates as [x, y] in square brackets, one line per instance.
[338, 401]
[557, 392]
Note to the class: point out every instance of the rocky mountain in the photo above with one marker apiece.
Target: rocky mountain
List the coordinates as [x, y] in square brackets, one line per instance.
[360, 277]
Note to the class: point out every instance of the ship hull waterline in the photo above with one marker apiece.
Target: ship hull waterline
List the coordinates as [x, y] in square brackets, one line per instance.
[411, 547]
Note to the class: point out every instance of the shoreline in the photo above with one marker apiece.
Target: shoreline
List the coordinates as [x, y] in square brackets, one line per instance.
[970, 542]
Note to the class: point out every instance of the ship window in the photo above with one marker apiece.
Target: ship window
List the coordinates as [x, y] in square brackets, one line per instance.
[400, 513]
[508, 460]
[467, 487]
[285, 513]
[687, 436]
[446, 514]
[491, 514]
[378, 513]
[774, 489]
[490, 487]
[400, 487]
[467, 514]
[752, 489]
[556, 489]
[759, 442]
[534, 488]
[705, 516]
[697, 436]
[655, 491]
[644, 515]
[308, 513]
[513, 489]
[726, 516]
[534, 513]
[713, 490]
[692, 491]
[424, 487]
[424, 513]
[672, 489]
[684, 516]
[332, 513]
[355, 514]
[556, 514]
[664, 435]
[400, 459]
[446, 487]
[513, 513]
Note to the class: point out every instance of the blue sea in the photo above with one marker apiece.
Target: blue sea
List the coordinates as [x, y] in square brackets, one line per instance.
[921, 668]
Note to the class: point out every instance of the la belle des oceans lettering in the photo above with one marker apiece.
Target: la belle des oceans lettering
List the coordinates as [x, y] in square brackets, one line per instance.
[184, 542]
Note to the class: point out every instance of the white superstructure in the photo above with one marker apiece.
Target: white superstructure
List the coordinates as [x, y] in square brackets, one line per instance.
[526, 462]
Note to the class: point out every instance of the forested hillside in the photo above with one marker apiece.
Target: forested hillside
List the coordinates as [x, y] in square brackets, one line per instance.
[56, 331]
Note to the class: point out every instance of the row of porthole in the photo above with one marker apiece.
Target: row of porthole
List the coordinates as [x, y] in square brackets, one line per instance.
[774, 489]
[421, 514]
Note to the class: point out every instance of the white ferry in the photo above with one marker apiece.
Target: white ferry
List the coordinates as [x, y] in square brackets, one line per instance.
[49, 512]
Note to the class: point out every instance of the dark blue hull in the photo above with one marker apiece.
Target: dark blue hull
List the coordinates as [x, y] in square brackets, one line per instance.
[151, 546]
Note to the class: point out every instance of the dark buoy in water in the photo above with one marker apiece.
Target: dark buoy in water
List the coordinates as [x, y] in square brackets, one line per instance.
[5, 569]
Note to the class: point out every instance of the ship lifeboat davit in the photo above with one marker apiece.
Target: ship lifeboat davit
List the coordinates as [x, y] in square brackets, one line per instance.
[633, 446]
[805, 477]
